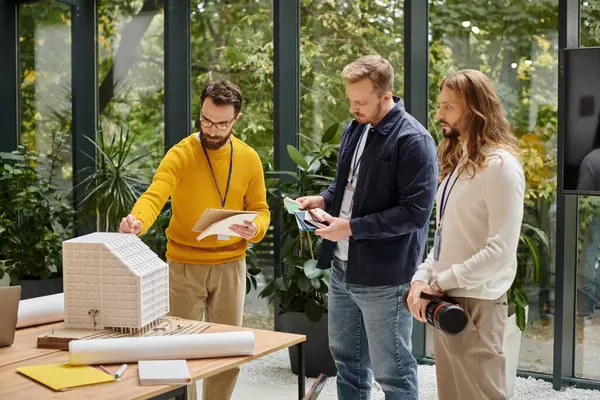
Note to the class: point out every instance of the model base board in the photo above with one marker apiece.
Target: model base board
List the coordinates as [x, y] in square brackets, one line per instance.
[59, 338]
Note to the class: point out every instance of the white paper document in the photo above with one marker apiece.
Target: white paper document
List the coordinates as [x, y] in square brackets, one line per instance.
[175, 347]
[163, 372]
[41, 310]
[217, 222]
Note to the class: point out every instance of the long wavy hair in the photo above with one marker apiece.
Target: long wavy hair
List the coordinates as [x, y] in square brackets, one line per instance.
[485, 122]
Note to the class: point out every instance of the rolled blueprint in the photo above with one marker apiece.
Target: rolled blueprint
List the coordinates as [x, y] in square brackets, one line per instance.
[172, 347]
[41, 310]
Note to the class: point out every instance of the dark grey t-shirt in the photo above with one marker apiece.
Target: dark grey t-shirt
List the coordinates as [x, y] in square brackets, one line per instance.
[589, 171]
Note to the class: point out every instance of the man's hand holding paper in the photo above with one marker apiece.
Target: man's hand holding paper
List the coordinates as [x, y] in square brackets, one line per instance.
[246, 231]
[310, 202]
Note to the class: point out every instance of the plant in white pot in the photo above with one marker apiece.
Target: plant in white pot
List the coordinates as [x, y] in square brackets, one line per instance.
[533, 244]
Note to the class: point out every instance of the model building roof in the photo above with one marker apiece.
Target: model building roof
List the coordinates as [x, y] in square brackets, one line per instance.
[127, 248]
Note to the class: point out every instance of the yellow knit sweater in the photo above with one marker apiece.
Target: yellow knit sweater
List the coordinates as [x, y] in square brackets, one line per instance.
[184, 174]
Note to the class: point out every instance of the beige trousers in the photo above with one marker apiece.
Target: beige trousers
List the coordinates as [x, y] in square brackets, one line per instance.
[217, 293]
[471, 365]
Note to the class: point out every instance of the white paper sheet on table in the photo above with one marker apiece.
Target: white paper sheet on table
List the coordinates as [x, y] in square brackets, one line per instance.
[41, 310]
[133, 349]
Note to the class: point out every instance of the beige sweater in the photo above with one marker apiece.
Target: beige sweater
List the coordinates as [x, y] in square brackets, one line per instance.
[480, 231]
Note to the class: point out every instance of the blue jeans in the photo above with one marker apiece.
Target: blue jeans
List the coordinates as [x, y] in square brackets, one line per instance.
[370, 334]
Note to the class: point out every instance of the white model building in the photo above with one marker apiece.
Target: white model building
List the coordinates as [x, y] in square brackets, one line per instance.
[113, 281]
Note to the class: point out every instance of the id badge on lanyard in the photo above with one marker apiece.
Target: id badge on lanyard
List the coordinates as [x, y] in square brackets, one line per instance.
[437, 244]
[437, 239]
[356, 159]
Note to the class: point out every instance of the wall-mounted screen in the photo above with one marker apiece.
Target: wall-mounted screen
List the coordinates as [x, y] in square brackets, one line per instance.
[581, 151]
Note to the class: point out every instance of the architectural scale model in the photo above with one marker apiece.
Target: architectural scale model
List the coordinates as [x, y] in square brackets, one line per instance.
[113, 281]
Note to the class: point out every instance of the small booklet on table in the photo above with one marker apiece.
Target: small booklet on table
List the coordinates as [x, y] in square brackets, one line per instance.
[163, 372]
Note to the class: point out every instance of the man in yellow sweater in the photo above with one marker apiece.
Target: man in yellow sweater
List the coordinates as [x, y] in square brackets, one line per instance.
[210, 169]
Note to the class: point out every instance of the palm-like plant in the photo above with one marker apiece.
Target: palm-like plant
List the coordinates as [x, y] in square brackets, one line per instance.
[115, 184]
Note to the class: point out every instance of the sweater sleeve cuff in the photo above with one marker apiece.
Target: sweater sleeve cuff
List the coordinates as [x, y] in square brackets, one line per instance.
[138, 216]
[421, 275]
[447, 280]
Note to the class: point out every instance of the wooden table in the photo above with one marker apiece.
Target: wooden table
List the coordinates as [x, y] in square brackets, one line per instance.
[25, 346]
[23, 353]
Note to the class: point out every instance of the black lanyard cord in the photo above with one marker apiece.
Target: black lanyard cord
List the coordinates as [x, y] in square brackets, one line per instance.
[223, 199]
[444, 200]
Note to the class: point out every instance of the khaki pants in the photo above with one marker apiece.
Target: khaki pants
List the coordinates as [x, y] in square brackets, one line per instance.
[216, 292]
[471, 365]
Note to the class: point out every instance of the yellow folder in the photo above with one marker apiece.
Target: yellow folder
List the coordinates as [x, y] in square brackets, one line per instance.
[63, 376]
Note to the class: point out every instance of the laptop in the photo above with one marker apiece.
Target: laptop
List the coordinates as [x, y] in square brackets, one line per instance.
[9, 298]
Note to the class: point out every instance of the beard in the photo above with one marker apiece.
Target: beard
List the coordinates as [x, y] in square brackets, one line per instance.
[450, 132]
[213, 143]
[363, 120]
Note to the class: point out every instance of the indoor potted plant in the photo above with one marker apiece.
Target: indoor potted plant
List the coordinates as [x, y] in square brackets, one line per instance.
[533, 249]
[35, 218]
[300, 294]
[533, 243]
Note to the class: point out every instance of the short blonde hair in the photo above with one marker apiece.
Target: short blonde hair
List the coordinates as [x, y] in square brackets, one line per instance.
[379, 71]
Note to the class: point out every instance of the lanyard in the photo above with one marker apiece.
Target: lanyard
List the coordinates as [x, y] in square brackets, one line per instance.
[223, 199]
[444, 200]
[356, 160]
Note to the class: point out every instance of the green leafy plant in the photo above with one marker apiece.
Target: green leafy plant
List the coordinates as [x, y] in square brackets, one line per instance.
[252, 267]
[155, 237]
[530, 260]
[302, 286]
[117, 181]
[35, 218]
[534, 247]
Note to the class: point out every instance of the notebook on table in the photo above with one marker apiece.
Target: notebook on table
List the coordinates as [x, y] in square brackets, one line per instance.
[163, 372]
[64, 376]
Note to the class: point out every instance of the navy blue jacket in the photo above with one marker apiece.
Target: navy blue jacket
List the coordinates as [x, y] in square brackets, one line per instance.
[393, 199]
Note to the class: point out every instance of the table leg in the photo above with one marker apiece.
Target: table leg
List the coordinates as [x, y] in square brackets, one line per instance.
[183, 394]
[177, 394]
[301, 378]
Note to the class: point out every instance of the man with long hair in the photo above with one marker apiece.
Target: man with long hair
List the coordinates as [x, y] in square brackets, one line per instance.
[478, 222]
[381, 199]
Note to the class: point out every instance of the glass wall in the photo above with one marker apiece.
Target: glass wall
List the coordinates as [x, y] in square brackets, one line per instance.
[45, 72]
[514, 43]
[234, 40]
[587, 339]
[517, 47]
[333, 34]
[131, 74]
[130, 140]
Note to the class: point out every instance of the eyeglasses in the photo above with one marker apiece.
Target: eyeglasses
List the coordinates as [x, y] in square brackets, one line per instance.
[222, 126]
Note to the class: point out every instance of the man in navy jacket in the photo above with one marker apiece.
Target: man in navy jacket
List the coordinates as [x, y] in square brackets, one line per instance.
[381, 202]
